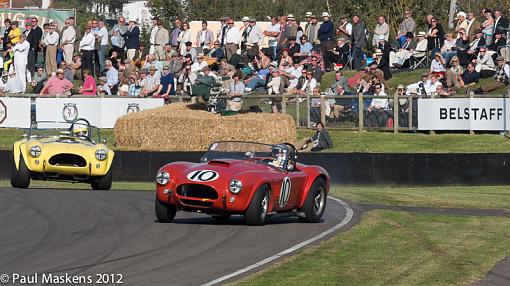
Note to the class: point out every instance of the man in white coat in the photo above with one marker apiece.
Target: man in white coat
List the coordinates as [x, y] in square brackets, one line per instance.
[20, 51]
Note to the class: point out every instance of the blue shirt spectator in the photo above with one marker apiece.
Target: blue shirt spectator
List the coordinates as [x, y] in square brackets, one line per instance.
[326, 31]
[166, 82]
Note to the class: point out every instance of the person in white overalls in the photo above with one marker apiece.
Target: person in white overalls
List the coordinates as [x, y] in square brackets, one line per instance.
[21, 50]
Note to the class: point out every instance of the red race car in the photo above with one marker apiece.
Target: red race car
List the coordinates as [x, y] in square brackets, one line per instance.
[246, 178]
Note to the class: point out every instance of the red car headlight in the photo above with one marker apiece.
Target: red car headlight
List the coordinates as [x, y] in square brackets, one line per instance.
[235, 186]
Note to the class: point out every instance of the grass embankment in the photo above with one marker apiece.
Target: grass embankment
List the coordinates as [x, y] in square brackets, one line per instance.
[365, 142]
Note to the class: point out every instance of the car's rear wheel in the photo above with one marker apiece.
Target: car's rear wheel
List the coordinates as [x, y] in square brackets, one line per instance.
[103, 182]
[165, 213]
[315, 203]
[20, 177]
[257, 210]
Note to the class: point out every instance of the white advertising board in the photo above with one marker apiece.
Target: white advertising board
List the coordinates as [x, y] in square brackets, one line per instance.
[101, 112]
[463, 114]
[15, 112]
[113, 108]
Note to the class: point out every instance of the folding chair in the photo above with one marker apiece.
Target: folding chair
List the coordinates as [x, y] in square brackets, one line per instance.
[216, 104]
[420, 59]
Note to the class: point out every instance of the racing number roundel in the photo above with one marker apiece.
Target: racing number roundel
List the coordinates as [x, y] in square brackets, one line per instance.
[284, 192]
[203, 176]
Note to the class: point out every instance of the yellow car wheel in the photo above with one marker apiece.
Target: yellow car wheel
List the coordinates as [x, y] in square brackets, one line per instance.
[103, 182]
[20, 178]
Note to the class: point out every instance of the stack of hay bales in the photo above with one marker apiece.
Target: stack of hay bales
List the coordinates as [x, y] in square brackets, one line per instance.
[175, 127]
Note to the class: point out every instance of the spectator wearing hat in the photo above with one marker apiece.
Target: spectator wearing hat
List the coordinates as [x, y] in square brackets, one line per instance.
[201, 90]
[255, 35]
[204, 39]
[293, 24]
[462, 21]
[13, 84]
[497, 43]
[151, 85]
[326, 33]
[273, 33]
[500, 78]
[132, 39]
[381, 29]
[384, 46]
[359, 41]
[232, 39]
[338, 55]
[473, 26]
[398, 58]
[67, 40]
[382, 64]
[243, 31]
[308, 18]
[133, 86]
[184, 37]
[190, 51]
[312, 30]
[89, 84]
[344, 27]
[166, 85]
[222, 33]
[57, 85]
[161, 38]
[407, 25]
[236, 91]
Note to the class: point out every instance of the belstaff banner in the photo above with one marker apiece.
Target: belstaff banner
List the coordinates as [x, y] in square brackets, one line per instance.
[491, 114]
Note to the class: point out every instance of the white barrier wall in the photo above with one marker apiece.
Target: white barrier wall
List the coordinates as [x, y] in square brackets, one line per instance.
[101, 112]
[15, 112]
[464, 114]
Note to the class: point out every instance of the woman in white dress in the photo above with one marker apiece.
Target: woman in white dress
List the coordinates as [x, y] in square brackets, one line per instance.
[184, 37]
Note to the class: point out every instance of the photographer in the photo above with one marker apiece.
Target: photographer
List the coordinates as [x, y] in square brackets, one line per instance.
[320, 141]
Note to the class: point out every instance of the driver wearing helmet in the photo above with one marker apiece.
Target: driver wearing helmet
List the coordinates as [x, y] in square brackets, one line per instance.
[80, 131]
[279, 155]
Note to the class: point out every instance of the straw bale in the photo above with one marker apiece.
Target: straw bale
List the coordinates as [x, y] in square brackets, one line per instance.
[175, 127]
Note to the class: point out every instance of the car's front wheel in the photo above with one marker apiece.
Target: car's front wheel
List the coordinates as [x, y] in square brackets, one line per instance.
[165, 213]
[103, 182]
[315, 203]
[20, 177]
[257, 210]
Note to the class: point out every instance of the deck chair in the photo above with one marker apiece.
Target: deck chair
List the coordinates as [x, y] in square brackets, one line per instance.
[420, 59]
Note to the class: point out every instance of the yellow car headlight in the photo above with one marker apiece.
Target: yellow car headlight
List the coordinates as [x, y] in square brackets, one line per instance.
[101, 154]
[35, 151]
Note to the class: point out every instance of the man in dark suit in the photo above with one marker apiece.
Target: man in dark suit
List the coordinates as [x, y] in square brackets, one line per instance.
[38, 33]
[32, 40]
[132, 38]
[500, 23]
[384, 46]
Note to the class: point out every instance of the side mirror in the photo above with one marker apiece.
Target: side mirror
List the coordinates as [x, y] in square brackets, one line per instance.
[104, 141]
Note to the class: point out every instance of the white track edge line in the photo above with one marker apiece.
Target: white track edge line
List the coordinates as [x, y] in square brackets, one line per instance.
[345, 221]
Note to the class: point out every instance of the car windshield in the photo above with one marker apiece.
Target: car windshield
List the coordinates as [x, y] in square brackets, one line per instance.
[65, 131]
[273, 155]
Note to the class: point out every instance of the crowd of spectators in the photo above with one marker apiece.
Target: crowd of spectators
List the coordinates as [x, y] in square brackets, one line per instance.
[95, 60]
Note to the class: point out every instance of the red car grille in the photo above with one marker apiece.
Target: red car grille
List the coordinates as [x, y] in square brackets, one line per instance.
[197, 191]
[197, 203]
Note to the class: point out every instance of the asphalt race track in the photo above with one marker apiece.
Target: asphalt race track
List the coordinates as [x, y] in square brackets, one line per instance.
[82, 233]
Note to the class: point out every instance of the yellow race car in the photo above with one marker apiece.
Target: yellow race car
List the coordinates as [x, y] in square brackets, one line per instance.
[62, 151]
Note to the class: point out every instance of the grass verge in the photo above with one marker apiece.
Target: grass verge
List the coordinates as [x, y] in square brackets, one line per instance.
[398, 248]
[488, 197]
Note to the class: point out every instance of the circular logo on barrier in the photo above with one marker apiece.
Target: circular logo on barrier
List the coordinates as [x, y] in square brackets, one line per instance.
[3, 112]
[203, 176]
[70, 112]
[284, 192]
[132, 108]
